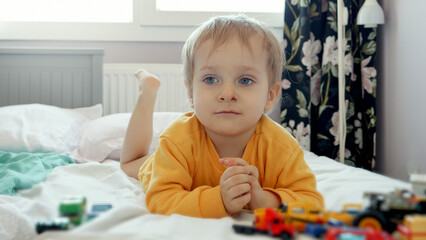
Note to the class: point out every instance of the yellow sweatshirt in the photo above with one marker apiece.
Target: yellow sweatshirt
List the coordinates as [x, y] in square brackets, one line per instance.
[182, 176]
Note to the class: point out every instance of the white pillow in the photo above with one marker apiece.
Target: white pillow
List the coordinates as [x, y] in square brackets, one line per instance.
[103, 138]
[43, 128]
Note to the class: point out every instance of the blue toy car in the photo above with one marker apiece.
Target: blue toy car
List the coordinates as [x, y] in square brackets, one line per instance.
[98, 209]
[318, 230]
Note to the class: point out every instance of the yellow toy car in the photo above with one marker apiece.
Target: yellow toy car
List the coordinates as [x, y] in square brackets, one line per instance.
[412, 228]
[298, 214]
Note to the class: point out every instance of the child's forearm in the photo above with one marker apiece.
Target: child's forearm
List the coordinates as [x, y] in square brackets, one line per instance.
[308, 195]
[266, 200]
[272, 200]
[204, 202]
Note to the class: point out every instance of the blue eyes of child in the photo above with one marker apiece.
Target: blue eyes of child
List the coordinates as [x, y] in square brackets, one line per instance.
[210, 80]
[243, 81]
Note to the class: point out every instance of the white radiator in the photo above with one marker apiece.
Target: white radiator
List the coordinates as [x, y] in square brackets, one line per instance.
[121, 88]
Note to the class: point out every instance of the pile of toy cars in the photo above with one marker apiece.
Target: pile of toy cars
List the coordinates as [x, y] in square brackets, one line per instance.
[401, 213]
[72, 211]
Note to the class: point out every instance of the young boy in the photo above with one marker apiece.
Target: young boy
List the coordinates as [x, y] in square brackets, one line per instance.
[227, 154]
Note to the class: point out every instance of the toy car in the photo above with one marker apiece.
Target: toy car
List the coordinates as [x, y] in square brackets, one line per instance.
[318, 230]
[57, 224]
[298, 214]
[98, 209]
[412, 228]
[385, 211]
[74, 208]
[269, 221]
[351, 233]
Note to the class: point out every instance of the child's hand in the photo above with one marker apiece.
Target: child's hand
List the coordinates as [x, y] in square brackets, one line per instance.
[259, 197]
[235, 188]
[231, 162]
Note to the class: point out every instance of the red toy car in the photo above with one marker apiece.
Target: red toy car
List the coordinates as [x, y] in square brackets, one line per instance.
[269, 221]
[340, 233]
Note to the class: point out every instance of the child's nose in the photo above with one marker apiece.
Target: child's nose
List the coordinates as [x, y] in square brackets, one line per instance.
[227, 93]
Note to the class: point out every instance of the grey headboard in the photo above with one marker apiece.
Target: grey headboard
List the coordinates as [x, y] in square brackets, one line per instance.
[61, 77]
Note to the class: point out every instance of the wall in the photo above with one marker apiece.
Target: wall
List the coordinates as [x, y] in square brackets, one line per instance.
[125, 52]
[401, 129]
[116, 52]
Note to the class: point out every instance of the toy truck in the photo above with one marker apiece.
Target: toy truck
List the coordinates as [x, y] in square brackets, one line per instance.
[412, 228]
[269, 221]
[74, 208]
[385, 211]
[298, 214]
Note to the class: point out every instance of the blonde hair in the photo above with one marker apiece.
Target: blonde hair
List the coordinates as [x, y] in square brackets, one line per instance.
[220, 29]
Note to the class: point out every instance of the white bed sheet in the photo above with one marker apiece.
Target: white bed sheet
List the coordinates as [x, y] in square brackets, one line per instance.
[129, 219]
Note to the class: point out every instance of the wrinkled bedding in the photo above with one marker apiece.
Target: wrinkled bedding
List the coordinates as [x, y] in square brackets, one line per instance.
[23, 170]
[129, 218]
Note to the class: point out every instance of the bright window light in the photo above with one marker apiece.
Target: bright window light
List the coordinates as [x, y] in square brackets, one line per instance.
[91, 11]
[220, 5]
[138, 20]
[190, 13]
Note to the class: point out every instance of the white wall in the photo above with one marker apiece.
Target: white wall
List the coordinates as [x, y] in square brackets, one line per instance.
[401, 133]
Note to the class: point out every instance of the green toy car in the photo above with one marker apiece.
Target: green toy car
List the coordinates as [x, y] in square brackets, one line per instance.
[74, 208]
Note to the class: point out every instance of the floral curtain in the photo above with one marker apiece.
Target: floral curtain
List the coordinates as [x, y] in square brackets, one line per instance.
[309, 107]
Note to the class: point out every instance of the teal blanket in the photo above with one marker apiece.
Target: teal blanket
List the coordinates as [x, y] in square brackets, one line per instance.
[23, 170]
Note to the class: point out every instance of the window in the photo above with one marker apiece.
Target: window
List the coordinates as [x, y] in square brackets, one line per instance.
[122, 20]
[267, 6]
[88, 11]
[316, 212]
[298, 210]
[193, 12]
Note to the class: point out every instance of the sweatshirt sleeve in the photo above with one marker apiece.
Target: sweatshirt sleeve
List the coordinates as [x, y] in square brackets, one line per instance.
[296, 181]
[166, 178]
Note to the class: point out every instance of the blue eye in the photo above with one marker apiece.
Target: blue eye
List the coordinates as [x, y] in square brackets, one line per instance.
[210, 80]
[245, 81]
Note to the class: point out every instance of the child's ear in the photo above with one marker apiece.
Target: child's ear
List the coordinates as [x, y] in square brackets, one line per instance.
[273, 93]
[189, 92]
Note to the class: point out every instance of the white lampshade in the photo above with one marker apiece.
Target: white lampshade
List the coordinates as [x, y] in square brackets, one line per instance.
[370, 14]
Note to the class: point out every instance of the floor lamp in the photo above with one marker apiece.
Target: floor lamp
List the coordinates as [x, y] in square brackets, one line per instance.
[369, 15]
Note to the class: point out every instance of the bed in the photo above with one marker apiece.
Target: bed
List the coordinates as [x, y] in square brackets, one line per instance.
[92, 144]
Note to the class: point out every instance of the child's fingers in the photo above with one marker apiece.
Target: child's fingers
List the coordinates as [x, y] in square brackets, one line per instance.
[233, 171]
[253, 171]
[236, 205]
[241, 200]
[235, 180]
[232, 162]
[236, 198]
[239, 190]
[254, 184]
[229, 162]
